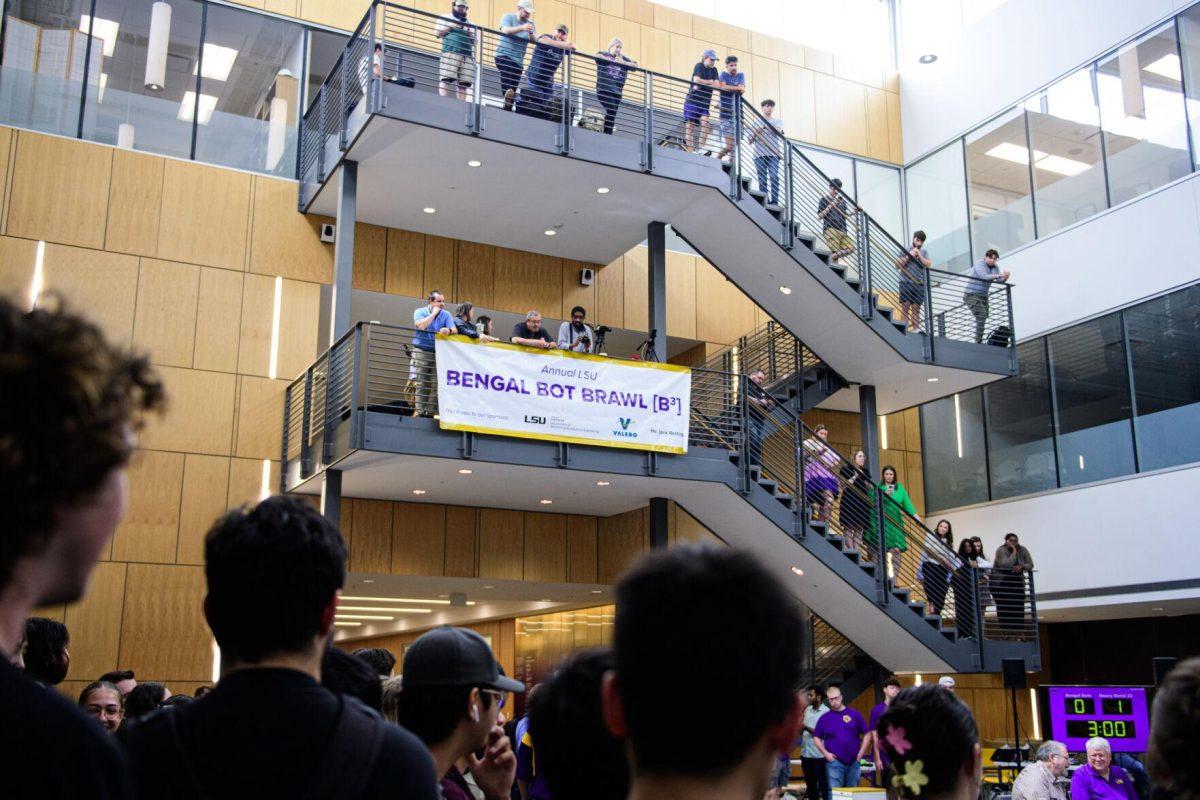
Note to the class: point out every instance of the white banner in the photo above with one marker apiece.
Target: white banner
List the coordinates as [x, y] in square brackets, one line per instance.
[560, 396]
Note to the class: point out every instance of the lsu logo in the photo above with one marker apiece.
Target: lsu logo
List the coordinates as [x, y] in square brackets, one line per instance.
[535, 420]
[624, 422]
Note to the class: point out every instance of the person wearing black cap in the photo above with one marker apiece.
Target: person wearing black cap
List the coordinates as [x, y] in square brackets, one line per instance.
[451, 698]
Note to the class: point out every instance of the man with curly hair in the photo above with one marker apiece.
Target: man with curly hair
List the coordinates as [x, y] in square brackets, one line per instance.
[70, 403]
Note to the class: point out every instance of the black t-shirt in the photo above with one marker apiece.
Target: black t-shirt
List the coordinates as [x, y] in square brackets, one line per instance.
[836, 218]
[53, 749]
[264, 733]
[521, 331]
[543, 64]
[700, 95]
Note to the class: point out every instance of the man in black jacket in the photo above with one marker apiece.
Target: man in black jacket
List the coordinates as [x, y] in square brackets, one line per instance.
[269, 728]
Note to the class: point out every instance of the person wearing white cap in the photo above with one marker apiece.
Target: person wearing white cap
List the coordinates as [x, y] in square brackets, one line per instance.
[947, 683]
[705, 78]
[519, 31]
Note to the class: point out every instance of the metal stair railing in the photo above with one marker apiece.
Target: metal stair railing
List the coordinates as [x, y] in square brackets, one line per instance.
[831, 654]
[780, 355]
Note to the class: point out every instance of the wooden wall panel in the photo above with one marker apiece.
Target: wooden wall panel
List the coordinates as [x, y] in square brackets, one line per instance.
[916, 481]
[640, 11]
[476, 279]
[841, 114]
[163, 633]
[17, 257]
[164, 324]
[51, 198]
[610, 294]
[763, 80]
[585, 34]
[912, 430]
[370, 257]
[623, 537]
[797, 102]
[151, 524]
[462, 535]
[528, 281]
[134, 203]
[95, 623]
[895, 133]
[776, 49]
[300, 311]
[205, 497]
[199, 418]
[681, 294]
[501, 544]
[573, 294]
[630, 34]
[689, 530]
[655, 50]
[545, 547]
[371, 545]
[284, 241]
[441, 256]
[257, 311]
[102, 284]
[205, 215]
[733, 39]
[218, 319]
[723, 313]
[405, 265]
[334, 13]
[878, 135]
[418, 539]
[637, 291]
[259, 417]
[582, 546]
[673, 20]
[7, 136]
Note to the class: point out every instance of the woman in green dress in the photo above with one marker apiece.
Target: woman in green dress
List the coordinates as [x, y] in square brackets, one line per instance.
[893, 524]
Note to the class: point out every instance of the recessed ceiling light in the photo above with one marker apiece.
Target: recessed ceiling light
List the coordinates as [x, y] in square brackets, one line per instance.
[465, 471]
[602, 190]
[785, 290]
[489, 586]
[474, 163]
[429, 210]
[340, 624]
[932, 380]
[597, 591]
[1157, 608]
[928, 58]
[545, 600]
[106, 31]
[602, 483]
[551, 232]
[418, 491]
[363, 616]
[797, 570]
[443, 596]
[367, 580]
[187, 108]
[218, 62]
[546, 501]
[389, 609]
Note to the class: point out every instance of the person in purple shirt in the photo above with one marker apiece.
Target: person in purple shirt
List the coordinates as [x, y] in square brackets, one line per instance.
[891, 688]
[841, 737]
[1099, 778]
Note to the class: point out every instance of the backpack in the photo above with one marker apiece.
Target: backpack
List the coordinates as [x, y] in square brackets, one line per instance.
[1001, 336]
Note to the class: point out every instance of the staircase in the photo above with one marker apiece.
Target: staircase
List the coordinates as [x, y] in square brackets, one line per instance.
[837, 660]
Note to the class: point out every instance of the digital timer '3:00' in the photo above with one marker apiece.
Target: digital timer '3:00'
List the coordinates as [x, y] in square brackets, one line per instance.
[1108, 728]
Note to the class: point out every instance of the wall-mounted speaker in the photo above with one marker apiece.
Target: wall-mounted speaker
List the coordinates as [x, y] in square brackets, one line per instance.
[328, 232]
[587, 276]
[1014, 673]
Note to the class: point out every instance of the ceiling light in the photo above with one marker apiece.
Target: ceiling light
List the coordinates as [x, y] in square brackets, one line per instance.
[1061, 166]
[932, 380]
[418, 491]
[208, 104]
[602, 190]
[928, 58]
[368, 580]
[361, 598]
[797, 570]
[156, 47]
[362, 616]
[550, 232]
[396, 610]
[545, 501]
[465, 471]
[429, 210]
[489, 586]
[1015, 153]
[545, 600]
[785, 290]
[443, 596]
[218, 62]
[1167, 66]
[340, 624]
[602, 483]
[597, 591]
[106, 31]
[474, 163]
[1157, 608]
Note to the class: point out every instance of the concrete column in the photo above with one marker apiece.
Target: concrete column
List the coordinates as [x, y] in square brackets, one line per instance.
[343, 251]
[869, 420]
[656, 272]
[660, 523]
[331, 496]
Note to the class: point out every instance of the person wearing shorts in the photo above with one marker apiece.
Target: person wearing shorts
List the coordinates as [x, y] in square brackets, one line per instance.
[456, 68]
[733, 86]
[832, 213]
[912, 265]
[705, 78]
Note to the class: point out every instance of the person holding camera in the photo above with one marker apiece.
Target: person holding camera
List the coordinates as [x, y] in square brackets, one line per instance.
[575, 335]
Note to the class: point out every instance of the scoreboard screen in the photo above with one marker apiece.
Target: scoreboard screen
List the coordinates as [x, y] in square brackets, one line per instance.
[1120, 714]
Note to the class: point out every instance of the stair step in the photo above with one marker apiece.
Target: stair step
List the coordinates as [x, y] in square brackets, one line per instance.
[818, 526]
[901, 326]
[758, 195]
[933, 619]
[836, 541]
[867, 567]
[775, 209]
[901, 594]
[769, 485]
[950, 633]
[854, 284]
[853, 555]
[918, 607]
[785, 498]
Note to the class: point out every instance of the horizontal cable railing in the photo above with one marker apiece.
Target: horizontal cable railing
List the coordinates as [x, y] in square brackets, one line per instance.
[604, 93]
[970, 309]
[833, 655]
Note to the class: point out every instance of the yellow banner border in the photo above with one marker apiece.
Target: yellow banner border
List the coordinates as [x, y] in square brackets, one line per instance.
[553, 437]
[459, 339]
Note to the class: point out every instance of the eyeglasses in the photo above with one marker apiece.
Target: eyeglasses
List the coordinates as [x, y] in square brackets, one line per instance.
[500, 697]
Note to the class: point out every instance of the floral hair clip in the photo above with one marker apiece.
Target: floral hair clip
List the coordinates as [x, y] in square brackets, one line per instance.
[895, 738]
[913, 779]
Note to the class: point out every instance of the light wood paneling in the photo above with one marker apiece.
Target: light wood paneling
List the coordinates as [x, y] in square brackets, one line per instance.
[300, 310]
[636, 289]
[59, 190]
[259, 417]
[476, 277]
[371, 545]
[258, 308]
[528, 281]
[689, 530]
[623, 538]
[333, 13]
[103, 285]
[17, 257]
[763, 79]
[134, 203]
[151, 525]
[205, 215]
[878, 135]
[841, 114]
[218, 319]
[405, 263]
[776, 49]
[912, 429]
[681, 294]
[797, 102]
[733, 39]
[6, 140]
[895, 133]
[95, 622]
[581, 549]
[723, 313]
[462, 534]
[199, 418]
[441, 255]
[205, 497]
[573, 294]
[370, 257]
[630, 34]
[284, 241]
[673, 20]
[916, 481]
[418, 539]
[656, 50]
[164, 324]
[501, 544]
[640, 11]
[545, 547]
[610, 294]
[163, 634]
[586, 32]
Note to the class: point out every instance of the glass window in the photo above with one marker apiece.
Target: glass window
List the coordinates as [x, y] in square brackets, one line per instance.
[42, 66]
[998, 172]
[834, 166]
[1142, 113]
[249, 91]
[1068, 169]
[1021, 428]
[1092, 388]
[148, 97]
[1164, 343]
[879, 195]
[324, 47]
[953, 449]
[937, 204]
[1189, 43]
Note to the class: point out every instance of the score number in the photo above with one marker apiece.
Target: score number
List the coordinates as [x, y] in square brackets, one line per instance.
[1108, 728]
[1109, 706]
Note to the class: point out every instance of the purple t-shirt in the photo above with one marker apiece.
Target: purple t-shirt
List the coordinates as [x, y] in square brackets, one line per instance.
[841, 732]
[1086, 784]
[876, 713]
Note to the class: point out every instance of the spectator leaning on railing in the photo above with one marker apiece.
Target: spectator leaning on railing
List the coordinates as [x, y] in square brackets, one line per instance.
[428, 320]
[510, 52]
[1008, 581]
[983, 274]
[456, 68]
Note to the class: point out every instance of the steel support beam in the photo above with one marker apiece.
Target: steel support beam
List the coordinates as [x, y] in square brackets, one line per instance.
[343, 251]
[331, 496]
[656, 272]
[868, 417]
